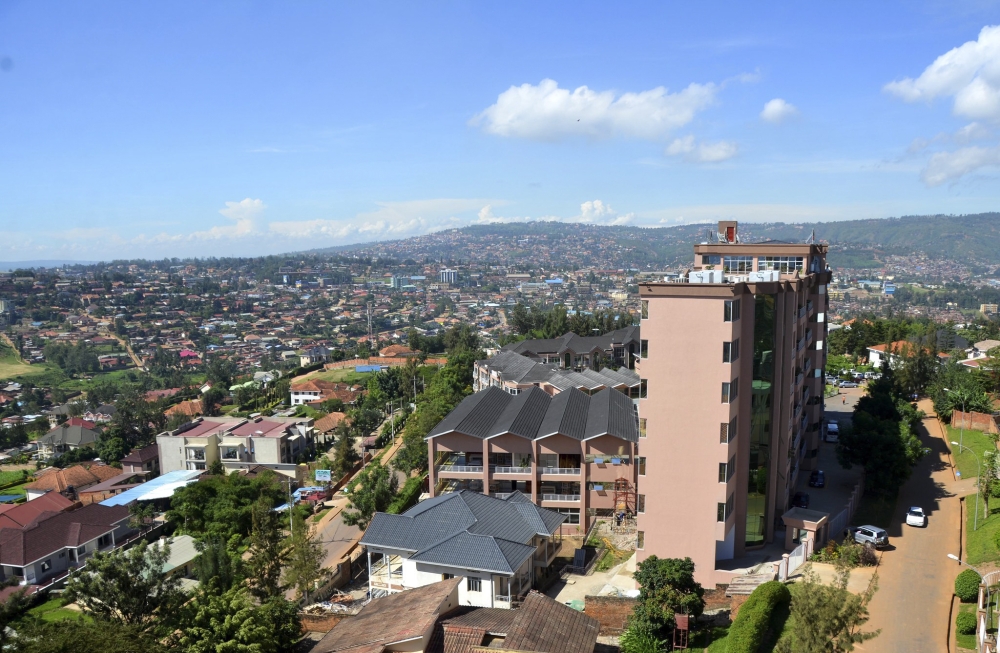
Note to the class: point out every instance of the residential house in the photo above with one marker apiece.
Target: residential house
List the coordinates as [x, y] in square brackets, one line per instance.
[146, 460]
[431, 619]
[65, 438]
[188, 408]
[495, 545]
[181, 561]
[329, 422]
[101, 414]
[514, 373]
[314, 355]
[315, 391]
[71, 480]
[397, 351]
[571, 351]
[273, 442]
[111, 487]
[48, 548]
[21, 515]
[572, 452]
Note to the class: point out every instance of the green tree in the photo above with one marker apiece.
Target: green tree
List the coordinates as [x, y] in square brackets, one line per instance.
[127, 586]
[267, 552]
[216, 566]
[221, 506]
[303, 566]
[828, 618]
[82, 636]
[232, 622]
[11, 610]
[372, 491]
[666, 587]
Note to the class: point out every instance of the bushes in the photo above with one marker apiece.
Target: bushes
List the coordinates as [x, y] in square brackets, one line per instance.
[747, 632]
[639, 638]
[965, 623]
[967, 586]
[850, 554]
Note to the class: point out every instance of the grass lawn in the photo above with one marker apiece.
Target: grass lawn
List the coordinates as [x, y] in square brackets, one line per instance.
[874, 511]
[710, 640]
[308, 411]
[980, 545]
[10, 476]
[977, 441]
[12, 368]
[53, 610]
[319, 515]
[343, 375]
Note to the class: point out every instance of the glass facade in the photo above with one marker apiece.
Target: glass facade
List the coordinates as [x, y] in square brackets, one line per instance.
[760, 419]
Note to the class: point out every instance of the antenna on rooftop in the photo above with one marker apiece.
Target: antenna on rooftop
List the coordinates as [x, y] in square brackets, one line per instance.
[812, 237]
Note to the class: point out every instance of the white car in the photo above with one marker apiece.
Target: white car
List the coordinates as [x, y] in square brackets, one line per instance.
[915, 517]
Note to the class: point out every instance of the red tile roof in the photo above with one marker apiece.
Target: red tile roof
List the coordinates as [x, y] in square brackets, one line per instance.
[21, 514]
[54, 531]
[77, 476]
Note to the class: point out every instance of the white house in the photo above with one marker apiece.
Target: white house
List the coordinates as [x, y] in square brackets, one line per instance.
[496, 546]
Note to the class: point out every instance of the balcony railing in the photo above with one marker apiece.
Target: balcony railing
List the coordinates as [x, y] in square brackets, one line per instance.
[802, 312]
[560, 497]
[461, 469]
[501, 598]
[561, 470]
[500, 495]
[497, 469]
[196, 455]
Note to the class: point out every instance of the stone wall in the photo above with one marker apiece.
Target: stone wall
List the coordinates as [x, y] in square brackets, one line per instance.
[974, 421]
[611, 611]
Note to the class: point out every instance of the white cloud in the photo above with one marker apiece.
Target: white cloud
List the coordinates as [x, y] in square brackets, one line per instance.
[949, 166]
[548, 113]
[389, 220]
[696, 152]
[777, 111]
[591, 212]
[970, 73]
[973, 132]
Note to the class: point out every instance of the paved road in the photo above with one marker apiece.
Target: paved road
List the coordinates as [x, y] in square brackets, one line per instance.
[916, 578]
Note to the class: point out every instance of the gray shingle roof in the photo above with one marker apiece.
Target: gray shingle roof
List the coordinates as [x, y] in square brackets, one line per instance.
[535, 414]
[466, 529]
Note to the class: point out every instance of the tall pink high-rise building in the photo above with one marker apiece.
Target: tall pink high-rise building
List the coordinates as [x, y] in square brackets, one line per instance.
[732, 360]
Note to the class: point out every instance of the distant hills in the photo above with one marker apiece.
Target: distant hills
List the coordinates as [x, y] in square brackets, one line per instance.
[10, 266]
[853, 243]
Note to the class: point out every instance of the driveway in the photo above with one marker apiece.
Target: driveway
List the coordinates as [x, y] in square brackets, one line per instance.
[916, 579]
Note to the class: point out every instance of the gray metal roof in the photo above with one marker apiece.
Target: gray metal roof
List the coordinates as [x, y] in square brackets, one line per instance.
[535, 414]
[466, 529]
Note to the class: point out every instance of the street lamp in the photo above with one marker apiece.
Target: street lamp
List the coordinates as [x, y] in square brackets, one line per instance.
[979, 469]
[981, 578]
[961, 434]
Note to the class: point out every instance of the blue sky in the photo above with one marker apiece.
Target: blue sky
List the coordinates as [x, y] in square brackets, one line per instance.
[177, 129]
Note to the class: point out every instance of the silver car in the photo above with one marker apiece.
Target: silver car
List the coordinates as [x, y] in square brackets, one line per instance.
[873, 535]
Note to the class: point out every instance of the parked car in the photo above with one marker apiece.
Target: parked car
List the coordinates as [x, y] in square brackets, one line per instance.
[800, 500]
[873, 535]
[832, 432]
[848, 384]
[915, 517]
[817, 478]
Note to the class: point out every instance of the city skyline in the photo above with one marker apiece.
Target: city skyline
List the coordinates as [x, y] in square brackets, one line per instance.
[249, 129]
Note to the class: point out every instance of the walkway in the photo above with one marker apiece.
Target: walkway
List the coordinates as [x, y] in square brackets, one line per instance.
[913, 603]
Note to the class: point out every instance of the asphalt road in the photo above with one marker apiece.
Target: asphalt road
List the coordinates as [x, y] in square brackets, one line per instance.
[915, 577]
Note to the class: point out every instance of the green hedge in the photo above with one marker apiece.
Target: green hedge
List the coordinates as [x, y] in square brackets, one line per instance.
[965, 623]
[407, 495]
[750, 626]
[967, 586]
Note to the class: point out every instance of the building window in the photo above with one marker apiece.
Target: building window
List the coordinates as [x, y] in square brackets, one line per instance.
[640, 540]
[640, 503]
[447, 576]
[572, 514]
[730, 467]
[731, 351]
[473, 585]
[711, 259]
[46, 565]
[643, 349]
[785, 264]
[642, 427]
[730, 391]
[723, 475]
[642, 389]
[731, 312]
[645, 309]
[737, 263]
[642, 465]
[724, 510]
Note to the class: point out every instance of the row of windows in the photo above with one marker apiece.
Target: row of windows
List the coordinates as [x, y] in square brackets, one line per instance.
[780, 263]
[745, 263]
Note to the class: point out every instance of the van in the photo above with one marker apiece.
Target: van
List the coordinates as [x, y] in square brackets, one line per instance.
[832, 432]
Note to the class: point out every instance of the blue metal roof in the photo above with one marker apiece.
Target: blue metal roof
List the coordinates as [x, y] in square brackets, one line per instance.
[159, 487]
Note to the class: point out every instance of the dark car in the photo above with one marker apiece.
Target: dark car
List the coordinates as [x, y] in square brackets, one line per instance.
[817, 479]
[800, 500]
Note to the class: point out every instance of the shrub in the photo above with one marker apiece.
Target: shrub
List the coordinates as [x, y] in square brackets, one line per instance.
[965, 623]
[967, 586]
[639, 638]
[747, 632]
[869, 558]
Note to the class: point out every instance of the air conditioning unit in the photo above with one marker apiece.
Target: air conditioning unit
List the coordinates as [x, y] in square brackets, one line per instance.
[764, 276]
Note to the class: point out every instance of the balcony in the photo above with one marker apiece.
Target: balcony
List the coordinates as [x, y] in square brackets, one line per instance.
[560, 497]
[500, 495]
[809, 306]
[571, 471]
[196, 454]
[802, 312]
[460, 469]
[497, 469]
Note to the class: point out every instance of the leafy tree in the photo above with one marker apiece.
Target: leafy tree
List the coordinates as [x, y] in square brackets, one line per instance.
[372, 491]
[344, 454]
[232, 622]
[11, 610]
[305, 558]
[267, 554]
[828, 618]
[216, 567]
[221, 505]
[666, 587]
[127, 586]
[82, 636]
[211, 400]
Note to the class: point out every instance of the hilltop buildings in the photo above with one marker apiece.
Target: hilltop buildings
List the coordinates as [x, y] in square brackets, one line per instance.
[734, 365]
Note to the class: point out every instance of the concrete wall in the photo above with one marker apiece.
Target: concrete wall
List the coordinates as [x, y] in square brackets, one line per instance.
[974, 421]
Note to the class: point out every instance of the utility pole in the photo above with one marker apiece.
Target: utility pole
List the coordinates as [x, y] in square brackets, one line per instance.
[370, 342]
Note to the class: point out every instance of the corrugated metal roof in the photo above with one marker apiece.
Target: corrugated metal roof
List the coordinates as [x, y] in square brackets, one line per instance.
[160, 487]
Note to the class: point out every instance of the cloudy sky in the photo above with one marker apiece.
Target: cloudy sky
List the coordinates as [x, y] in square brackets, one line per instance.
[176, 129]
